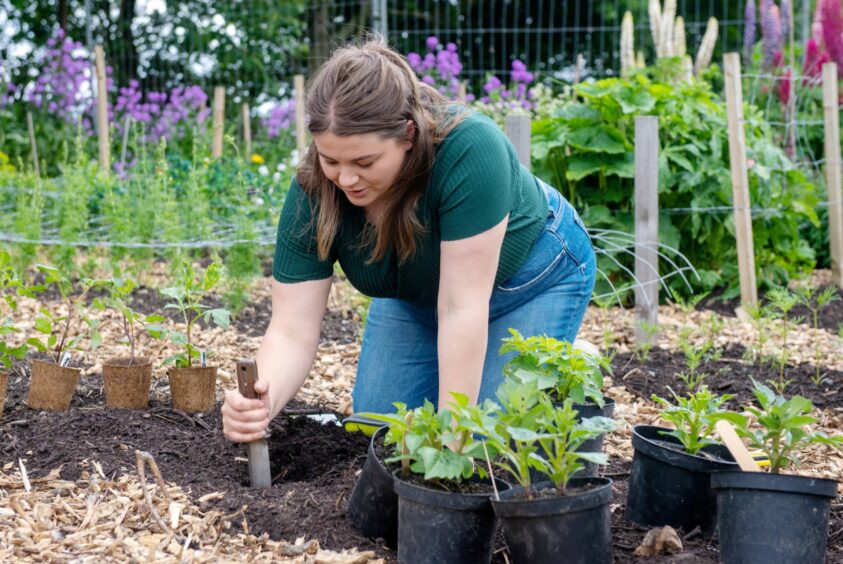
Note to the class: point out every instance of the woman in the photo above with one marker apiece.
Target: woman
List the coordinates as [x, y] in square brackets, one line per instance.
[427, 210]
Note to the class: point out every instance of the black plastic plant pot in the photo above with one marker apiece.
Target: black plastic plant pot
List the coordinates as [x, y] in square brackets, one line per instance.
[373, 504]
[435, 526]
[586, 411]
[667, 486]
[772, 517]
[575, 528]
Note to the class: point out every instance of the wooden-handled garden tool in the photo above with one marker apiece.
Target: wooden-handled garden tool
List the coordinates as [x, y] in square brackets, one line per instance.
[259, 474]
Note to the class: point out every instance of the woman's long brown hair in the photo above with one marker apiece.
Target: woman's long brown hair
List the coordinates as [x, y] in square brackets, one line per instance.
[369, 88]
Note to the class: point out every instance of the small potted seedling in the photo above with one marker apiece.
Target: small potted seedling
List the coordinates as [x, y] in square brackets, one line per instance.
[192, 382]
[564, 372]
[561, 515]
[10, 286]
[670, 479]
[127, 379]
[444, 508]
[53, 381]
[775, 517]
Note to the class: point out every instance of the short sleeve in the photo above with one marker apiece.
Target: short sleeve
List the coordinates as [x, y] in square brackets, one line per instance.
[477, 173]
[296, 257]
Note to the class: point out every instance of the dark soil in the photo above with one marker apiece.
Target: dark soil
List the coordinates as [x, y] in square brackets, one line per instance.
[726, 375]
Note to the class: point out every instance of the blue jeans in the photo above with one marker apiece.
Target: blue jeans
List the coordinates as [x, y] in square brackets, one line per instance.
[548, 295]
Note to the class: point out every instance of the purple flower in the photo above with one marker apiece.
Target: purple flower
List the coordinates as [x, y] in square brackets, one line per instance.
[785, 20]
[415, 60]
[748, 31]
[427, 79]
[492, 84]
[452, 47]
[432, 43]
[771, 27]
[280, 118]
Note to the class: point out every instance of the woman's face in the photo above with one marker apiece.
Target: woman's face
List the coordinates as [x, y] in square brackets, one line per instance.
[363, 166]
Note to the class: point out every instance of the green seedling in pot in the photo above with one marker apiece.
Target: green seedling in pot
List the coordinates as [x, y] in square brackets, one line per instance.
[816, 302]
[186, 298]
[436, 444]
[530, 432]
[131, 323]
[694, 417]
[780, 427]
[10, 288]
[557, 367]
[59, 330]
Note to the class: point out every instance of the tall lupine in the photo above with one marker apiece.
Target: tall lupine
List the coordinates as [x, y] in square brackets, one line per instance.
[654, 11]
[680, 45]
[707, 44]
[666, 28]
[749, 23]
[815, 58]
[771, 32]
[627, 44]
[785, 20]
[831, 22]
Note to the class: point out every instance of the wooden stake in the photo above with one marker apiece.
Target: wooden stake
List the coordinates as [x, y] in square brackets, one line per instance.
[102, 110]
[32, 145]
[260, 475]
[461, 93]
[518, 131]
[247, 133]
[219, 121]
[740, 179]
[646, 228]
[301, 130]
[126, 127]
[733, 442]
[831, 109]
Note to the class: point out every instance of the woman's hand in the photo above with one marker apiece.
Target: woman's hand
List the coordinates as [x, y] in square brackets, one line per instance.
[245, 420]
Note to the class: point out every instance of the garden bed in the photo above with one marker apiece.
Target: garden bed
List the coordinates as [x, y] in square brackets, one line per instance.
[314, 465]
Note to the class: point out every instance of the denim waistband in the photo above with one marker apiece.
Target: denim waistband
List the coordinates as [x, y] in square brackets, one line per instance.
[555, 205]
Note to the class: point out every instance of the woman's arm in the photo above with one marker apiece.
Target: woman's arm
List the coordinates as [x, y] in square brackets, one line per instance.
[284, 358]
[468, 269]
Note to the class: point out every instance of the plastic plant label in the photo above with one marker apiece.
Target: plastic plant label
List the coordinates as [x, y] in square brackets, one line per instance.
[202, 359]
[65, 360]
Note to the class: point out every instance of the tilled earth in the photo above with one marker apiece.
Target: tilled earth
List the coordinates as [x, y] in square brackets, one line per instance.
[314, 464]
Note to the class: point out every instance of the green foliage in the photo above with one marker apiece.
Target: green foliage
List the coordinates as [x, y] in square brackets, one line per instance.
[186, 298]
[693, 417]
[131, 323]
[586, 150]
[437, 444]
[782, 301]
[530, 432]
[10, 287]
[816, 302]
[694, 356]
[780, 427]
[556, 366]
[60, 330]
[649, 332]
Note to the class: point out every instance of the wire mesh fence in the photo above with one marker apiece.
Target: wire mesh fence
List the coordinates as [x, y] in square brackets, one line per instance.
[255, 46]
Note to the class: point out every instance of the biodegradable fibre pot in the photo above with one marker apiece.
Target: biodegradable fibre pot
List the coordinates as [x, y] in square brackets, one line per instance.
[4, 382]
[575, 528]
[51, 386]
[436, 526]
[193, 388]
[373, 504]
[127, 382]
[668, 486]
[772, 518]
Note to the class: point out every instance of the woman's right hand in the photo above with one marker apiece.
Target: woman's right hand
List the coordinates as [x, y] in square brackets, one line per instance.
[245, 420]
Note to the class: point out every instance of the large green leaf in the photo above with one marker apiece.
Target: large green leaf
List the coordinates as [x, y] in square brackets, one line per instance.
[598, 139]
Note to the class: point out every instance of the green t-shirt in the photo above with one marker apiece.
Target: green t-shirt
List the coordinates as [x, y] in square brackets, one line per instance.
[475, 182]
